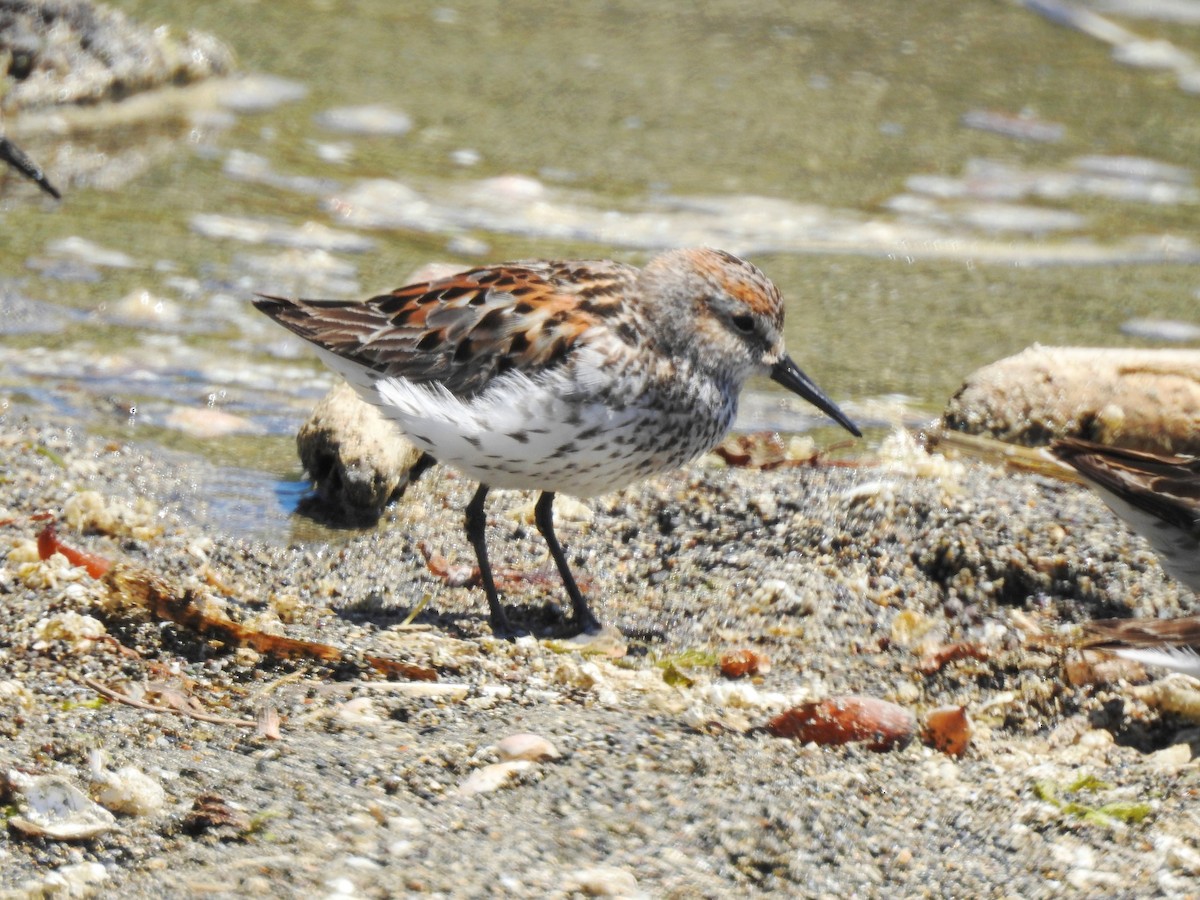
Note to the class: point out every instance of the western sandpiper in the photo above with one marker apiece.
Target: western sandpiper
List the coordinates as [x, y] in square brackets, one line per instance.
[575, 377]
[1159, 496]
[1171, 643]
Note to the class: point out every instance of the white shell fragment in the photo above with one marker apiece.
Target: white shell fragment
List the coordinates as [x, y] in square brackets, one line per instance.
[532, 747]
[79, 631]
[604, 881]
[53, 808]
[493, 777]
[127, 790]
[76, 880]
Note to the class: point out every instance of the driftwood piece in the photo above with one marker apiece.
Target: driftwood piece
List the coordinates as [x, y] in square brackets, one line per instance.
[1140, 399]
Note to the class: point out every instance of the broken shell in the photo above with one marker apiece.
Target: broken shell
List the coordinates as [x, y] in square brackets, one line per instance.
[79, 631]
[54, 808]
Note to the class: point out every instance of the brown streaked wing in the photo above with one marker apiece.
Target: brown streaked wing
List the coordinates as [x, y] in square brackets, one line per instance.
[1164, 486]
[463, 330]
[1108, 633]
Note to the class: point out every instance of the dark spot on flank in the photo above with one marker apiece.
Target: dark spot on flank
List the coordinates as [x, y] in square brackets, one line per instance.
[522, 290]
[519, 343]
[568, 447]
[602, 308]
[479, 299]
[473, 441]
[556, 352]
[504, 364]
[463, 351]
[628, 334]
[429, 341]
[421, 438]
[589, 433]
[519, 436]
[523, 307]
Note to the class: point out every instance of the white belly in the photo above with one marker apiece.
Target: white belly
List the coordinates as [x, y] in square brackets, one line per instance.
[527, 436]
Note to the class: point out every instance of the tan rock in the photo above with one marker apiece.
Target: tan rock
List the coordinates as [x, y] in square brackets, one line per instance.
[1141, 399]
[357, 459]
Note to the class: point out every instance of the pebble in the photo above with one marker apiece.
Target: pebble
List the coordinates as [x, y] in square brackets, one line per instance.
[207, 423]
[366, 120]
[242, 165]
[1169, 330]
[22, 315]
[1022, 127]
[466, 157]
[142, 309]
[259, 93]
[84, 54]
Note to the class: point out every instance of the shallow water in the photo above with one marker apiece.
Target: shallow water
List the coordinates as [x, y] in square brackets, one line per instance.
[793, 132]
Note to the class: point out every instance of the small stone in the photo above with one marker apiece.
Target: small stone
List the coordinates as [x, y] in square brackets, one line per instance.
[259, 93]
[1170, 759]
[208, 423]
[367, 120]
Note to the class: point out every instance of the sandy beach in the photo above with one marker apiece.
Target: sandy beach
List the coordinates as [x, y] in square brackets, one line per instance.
[852, 579]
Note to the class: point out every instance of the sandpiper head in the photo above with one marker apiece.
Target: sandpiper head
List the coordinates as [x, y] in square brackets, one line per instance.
[728, 316]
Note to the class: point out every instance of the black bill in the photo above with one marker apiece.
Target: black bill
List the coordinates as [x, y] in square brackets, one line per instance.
[789, 375]
[15, 157]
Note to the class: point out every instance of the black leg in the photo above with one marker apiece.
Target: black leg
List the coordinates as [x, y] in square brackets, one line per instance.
[544, 517]
[424, 463]
[476, 534]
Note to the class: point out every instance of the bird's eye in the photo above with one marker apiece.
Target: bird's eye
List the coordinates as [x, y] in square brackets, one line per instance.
[744, 324]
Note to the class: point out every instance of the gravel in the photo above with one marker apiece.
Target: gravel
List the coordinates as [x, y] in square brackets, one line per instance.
[849, 577]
